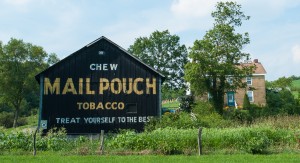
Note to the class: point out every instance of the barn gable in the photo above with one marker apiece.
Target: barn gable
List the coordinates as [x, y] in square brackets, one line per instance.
[98, 45]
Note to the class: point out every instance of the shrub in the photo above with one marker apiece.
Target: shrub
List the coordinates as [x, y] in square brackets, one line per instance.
[282, 102]
[208, 117]
[258, 143]
[179, 120]
[6, 119]
[22, 121]
[186, 103]
[246, 102]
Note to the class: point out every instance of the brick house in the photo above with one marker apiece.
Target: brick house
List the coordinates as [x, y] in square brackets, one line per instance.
[256, 89]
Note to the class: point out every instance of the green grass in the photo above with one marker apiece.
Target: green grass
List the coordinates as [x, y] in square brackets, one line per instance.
[295, 94]
[296, 83]
[153, 158]
[295, 86]
[171, 105]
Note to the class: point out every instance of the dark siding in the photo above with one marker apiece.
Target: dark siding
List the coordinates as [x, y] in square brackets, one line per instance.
[77, 66]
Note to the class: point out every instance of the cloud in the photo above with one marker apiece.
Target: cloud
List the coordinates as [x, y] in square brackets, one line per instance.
[18, 2]
[296, 53]
[192, 8]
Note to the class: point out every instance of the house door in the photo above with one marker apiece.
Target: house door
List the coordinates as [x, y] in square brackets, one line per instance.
[230, 99]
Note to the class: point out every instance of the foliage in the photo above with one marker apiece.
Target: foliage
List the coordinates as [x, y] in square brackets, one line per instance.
[282, 83]
[296, 83]
[179, 120]
[246, 102]
[19, 63]
[281, 102]
[172, 104]
[295, 88]
[295, 77]
[167, 140]
[55, 140]
[175, 141]
[218, 55]
[241, 116]
[6, 119]
[168, 93]
[202, 115]
[208, 117]
[258, 144]
[273, 132]
[186, 103]
[163, 52]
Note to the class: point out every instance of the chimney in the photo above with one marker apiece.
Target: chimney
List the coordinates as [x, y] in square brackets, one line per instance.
[255, 60]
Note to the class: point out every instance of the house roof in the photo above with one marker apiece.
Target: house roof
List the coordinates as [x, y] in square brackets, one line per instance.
[37, 77]
[259, 70]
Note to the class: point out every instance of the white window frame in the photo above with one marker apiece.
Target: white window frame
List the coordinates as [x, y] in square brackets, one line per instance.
[249, 79]
[252, 96]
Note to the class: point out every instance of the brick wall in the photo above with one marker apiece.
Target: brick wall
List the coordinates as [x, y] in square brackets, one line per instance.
[259, 91]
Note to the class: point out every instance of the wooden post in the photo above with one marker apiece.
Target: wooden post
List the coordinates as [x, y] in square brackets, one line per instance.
[200, 141]
[34, 144]
[101, 148]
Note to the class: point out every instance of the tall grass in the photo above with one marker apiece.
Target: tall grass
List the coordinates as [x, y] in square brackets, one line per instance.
[272, 134]
[173, 141]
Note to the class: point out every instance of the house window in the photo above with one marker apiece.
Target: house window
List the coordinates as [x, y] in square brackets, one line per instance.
[230, 81]
[249, 80]
[250, 96]
[209, 96]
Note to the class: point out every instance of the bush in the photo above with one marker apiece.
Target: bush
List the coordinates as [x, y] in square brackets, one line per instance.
[208, 117]
[6, 119]
[246, 102]
[258, 143]
[179, 120]
[186, 103]
[282, 102]
[22, 121]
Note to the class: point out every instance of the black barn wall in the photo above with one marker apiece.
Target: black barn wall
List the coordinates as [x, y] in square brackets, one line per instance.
[57, 109]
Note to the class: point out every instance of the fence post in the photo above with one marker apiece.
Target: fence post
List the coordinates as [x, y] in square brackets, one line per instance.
[101, 149]
[200, 141]
[34, 142]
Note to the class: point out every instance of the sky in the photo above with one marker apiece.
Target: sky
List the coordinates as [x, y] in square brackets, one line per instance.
[64, 26]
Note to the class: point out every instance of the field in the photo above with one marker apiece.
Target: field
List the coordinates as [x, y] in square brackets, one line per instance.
[296, 85]
[171, 105]
[154, 158]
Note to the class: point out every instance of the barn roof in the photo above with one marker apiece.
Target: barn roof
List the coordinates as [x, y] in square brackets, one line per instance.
[37, 77]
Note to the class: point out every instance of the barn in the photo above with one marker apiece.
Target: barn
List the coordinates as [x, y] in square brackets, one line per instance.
[99, 87]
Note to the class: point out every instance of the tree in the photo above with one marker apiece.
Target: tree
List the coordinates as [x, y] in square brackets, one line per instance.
[282, 83]
[216, 58]
[163, 52]
[19, 63]
[246, 102]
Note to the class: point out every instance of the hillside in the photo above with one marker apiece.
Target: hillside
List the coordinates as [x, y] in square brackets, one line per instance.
[296, 83]
[295, 87]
